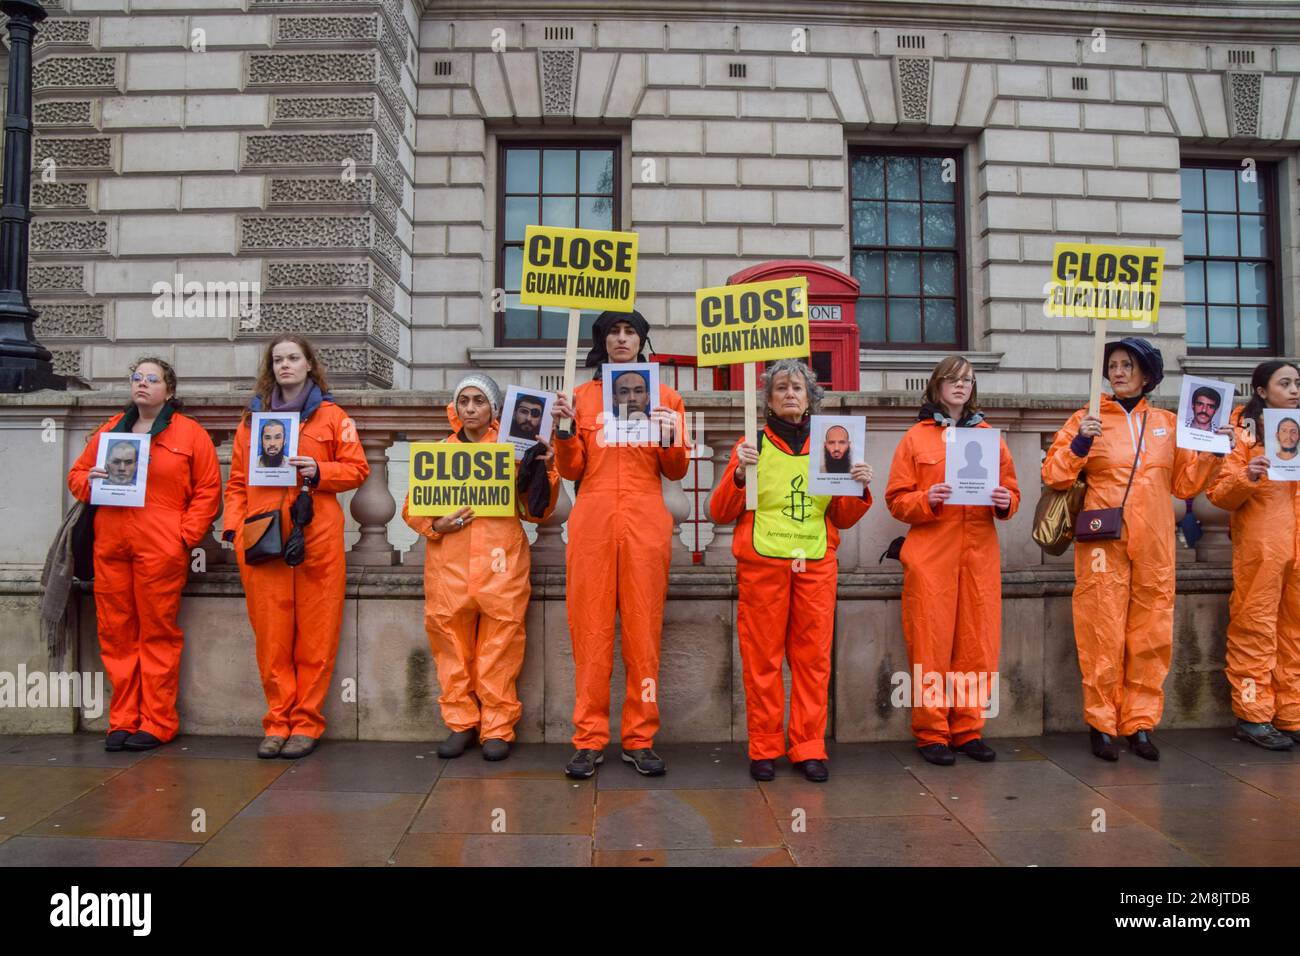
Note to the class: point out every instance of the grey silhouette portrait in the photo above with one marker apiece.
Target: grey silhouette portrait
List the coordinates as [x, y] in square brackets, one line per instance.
[974, 458]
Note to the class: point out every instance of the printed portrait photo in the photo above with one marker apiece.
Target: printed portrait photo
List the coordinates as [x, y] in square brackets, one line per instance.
[1204, 406]
[630, 392]
[124, 457]
[526, 418]
[1282, 443]
[273, 440]
[835, 444]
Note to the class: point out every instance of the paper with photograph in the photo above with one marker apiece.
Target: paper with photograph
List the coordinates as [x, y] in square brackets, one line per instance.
[273, 440]
[125, 456]
[1205, 405]
[835, 444]
[630, 392]
[1282, 443]
[526, 418]
[973, 464]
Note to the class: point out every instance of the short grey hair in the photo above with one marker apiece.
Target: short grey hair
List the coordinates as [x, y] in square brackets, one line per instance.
[794, 367]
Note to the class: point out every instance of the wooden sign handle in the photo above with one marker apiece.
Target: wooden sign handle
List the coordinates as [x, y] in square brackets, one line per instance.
[570, 367]
[751, 435]
[1098, 360]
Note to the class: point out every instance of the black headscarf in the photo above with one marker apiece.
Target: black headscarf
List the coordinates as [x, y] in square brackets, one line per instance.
[604, 324]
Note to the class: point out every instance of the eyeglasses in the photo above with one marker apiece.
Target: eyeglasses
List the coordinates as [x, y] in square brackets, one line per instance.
[150, 378]
[965, 380]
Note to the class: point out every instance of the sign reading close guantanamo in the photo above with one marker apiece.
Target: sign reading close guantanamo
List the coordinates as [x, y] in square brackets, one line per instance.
[448, 476]
[578, 268]
[1105, 282]
[753, 322]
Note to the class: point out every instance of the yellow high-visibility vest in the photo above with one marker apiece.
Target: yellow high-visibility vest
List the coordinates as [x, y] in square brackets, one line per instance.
[788, 523]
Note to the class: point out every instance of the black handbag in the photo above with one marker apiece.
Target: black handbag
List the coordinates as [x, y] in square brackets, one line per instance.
[263, 539]
[1107, 524]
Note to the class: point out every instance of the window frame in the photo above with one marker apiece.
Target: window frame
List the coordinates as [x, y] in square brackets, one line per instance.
[500, 242]
[1266, 172]
[961, 303]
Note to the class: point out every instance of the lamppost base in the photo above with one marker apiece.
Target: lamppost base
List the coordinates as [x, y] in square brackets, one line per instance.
[17, 376]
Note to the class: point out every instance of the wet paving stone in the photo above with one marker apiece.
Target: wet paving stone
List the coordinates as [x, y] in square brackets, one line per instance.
[526, 762]
[851, 795]
[1073, 754]
[690, 767]
[683, 819]
[69, 750]
[75, 851]
[378, 766]
[742, 856]
[28, 794]
[492, 849]
[887, 841]
[158, 800]
[1123, 846]
[312, 828]
[494, 805]
[1220, 748]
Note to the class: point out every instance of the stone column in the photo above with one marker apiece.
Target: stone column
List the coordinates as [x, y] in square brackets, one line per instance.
[548, 549]
[373, 507]
[679, 506]
[215, 553]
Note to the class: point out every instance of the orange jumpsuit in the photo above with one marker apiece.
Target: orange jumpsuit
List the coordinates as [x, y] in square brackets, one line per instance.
[297, 613]
[1263, 651]
[476, 592]
[1124, 592]
[784, 612]
[620, 546]
[142, 558]
[952, 583]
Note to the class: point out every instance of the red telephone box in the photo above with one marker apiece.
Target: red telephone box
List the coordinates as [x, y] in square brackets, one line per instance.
[832, 321]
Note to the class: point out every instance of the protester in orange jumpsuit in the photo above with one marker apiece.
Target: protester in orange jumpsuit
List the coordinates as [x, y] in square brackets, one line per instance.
[296, 612]
[618, 552]
[1263, 653]
[142, 556]
[1124, 592]
[952, 571]
[786, 574]
[476, 586]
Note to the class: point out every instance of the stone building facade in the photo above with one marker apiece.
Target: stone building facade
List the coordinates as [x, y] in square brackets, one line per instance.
[364, 166]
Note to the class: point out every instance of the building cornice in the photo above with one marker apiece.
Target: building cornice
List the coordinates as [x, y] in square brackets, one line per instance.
[1268, 22]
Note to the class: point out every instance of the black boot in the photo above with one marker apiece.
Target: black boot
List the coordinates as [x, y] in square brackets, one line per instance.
[938, 754]
[814, 770]
[456, 743]
[494, 748]
[977, 750]
[762, 770]
[116, 740]
[1265, 735]
[1103, 745]
[141, 740]
[1140, 743]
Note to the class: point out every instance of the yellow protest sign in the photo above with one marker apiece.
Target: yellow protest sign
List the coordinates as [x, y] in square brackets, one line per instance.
[448, 476]
[753, 322]
[579, 268]
[1105, 282]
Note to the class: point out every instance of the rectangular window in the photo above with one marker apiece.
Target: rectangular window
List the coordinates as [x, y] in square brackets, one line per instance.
[1229, 251]
[549, 184]
[907, 236]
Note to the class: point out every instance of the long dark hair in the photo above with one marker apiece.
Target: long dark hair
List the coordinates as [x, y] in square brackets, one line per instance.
[1260, 378]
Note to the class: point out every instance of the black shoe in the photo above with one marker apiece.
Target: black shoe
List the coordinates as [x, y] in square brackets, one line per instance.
[1140, 743]
[141, 740]
[456, 743]
[1103, 745]
[762, 770]
[978, 750]
[1265, 735]
[115, 739]
[938, 754]
[646, 761]
[814, 770]
[584, 763]
[1293, 734]
[494, 748]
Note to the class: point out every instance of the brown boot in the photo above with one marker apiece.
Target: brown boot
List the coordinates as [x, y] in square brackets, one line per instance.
[298, 746]
[270, 747]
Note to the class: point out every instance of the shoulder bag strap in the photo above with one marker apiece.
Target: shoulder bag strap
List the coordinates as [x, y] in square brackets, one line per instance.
[1137, 454]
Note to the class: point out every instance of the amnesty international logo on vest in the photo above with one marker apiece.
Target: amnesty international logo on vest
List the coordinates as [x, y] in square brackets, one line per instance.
[789, 523]
[448, 476]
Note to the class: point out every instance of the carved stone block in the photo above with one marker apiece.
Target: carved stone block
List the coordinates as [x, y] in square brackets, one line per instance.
[67, 362]
[68, 195]
[82, 320]
[912, 76]
[80, 72]
[56, 279]
[63, 113]
[69, 235]
[74, 152]
[559, 80]
[62, 31]
[312, 69]
[306, 232]
[308, 149]
[1243, 91]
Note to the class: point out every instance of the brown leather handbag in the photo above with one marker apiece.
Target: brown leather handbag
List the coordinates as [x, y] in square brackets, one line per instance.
[1107, 524]
[1054, 517]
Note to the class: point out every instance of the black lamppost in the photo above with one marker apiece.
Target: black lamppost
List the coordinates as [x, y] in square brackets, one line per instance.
[24, 365]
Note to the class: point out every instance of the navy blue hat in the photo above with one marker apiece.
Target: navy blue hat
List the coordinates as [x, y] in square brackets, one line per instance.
[1147, 356]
